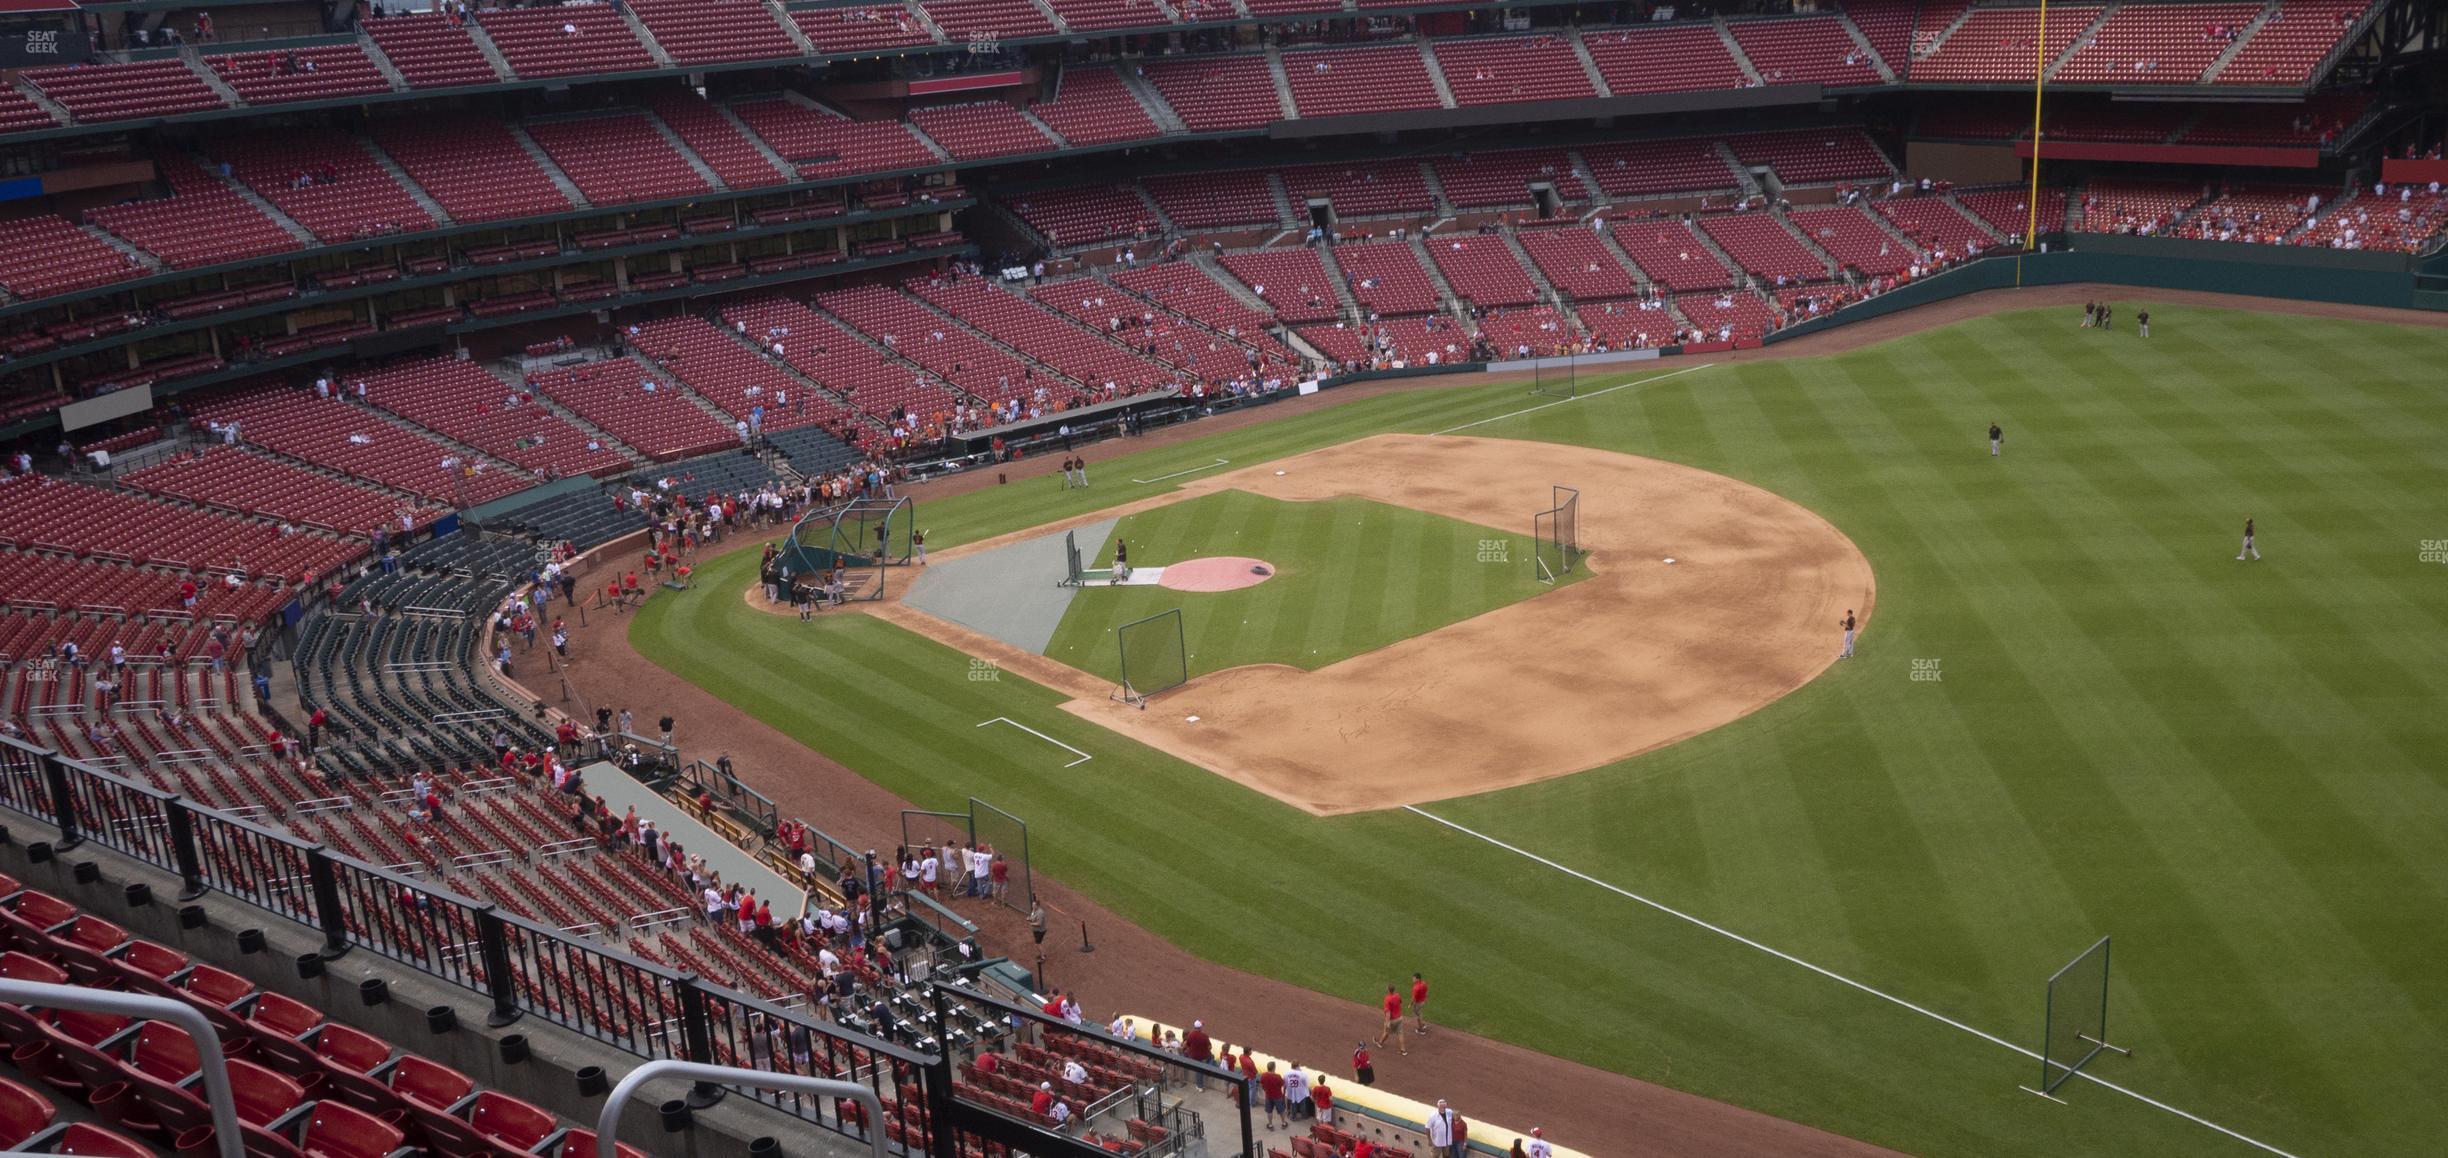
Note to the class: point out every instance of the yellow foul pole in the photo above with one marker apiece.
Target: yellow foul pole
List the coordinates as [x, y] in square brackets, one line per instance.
[2031, 225]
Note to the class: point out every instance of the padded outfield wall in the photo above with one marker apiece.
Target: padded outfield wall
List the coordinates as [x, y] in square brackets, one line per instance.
[2274, 271]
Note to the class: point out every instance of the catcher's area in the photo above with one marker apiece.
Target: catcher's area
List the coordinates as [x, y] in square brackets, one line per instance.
[1636, 655]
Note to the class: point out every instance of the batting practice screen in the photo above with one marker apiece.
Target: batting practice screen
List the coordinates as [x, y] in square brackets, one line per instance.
[2075, 1027]
[1007, 835]
[1154, 657]
[1557, 533]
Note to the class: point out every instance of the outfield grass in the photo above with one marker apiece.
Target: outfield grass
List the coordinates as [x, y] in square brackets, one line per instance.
[1351, 575]
[2236, 769]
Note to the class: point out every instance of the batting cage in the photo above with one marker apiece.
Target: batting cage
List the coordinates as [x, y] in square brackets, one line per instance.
[2074, 1021]
[862, 537]
[1007, 836]
[1154, 656]
[1557, 534]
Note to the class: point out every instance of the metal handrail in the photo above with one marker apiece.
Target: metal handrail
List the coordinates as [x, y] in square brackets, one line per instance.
[224, 1105]
[607, 1122]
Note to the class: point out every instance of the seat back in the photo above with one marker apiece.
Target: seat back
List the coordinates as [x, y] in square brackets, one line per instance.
[429, 1085]
[341, 1049]
[338, 1131]
[177, 1110]
[23, 1113]
[152, 960]
[262, 1095]
[512, 1123]
[17, 1026]
[277, 1022]
[95, 1142]
[576, 1143]
[166, 1052]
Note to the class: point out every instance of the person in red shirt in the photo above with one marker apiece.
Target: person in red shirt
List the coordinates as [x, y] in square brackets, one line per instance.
[1419, 1000]
[1364, 1067]
[1042, 1100]
[1271, 1084]
[1393, 1021]
[1364, 1149]
[989, 1062]
[1323, 1098]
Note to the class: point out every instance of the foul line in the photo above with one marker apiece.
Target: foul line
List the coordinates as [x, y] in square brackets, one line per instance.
[1840, 978]
[1083, 756]
[1574, 398]
[1179, 473]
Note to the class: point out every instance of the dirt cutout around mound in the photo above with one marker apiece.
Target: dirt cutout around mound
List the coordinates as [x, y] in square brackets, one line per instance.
[1637, 655]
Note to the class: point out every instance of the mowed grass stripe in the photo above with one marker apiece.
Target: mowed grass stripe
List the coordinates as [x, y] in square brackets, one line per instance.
[2079, 769]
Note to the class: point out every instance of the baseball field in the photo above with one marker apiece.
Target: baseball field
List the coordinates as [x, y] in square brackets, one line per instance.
[2073, 713]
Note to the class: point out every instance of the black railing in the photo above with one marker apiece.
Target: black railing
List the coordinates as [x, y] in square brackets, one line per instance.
[522, 967]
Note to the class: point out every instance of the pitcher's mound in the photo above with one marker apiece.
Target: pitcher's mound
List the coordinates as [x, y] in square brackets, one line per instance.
[1217, 573]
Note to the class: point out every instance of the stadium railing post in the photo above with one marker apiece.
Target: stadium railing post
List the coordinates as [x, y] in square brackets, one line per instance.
[63, 805]
[501, 978]
[697, 1037]
[330, 915]
[183, 848]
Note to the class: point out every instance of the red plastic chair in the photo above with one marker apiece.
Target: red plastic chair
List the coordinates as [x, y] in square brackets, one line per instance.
[17, 1026]
[213, 991]
[278, 1022]
[429, 1091]
[338, 1131]
[576, 1143]
[75, 1037]
[263, 1096]
[29, 917]
[166, 1052]
[23, 1113]
[89, 1140]
[148, 968]
[84, 949]
[511, 1123]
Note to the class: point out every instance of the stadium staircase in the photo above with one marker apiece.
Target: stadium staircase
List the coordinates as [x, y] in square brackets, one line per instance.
[382, 64]
[1548, 294]
[1161, 112]
[998, 345]
[798, 38]
[2346, 43]
[2107, 12]
[139, 256]
[926, 20]
[1156, 212]
[512, 380]
[1922, 51]
[1348, 306]
[1589, 64]
[416, 192]
[758, 143]
[1039, 124]
[1448, 302]
[1844, 19]
[696, 163]
[2210, 75]
[193, 58]
[544, 161]
[491, 51]
[1808, 242]
[1436, 194]
[1733, 48]
[305, 237]
[1286, 215]
[1993, 233]
[1741, 276]
[1614, 248]
[1436, 75]
[1283, 84]
[1052, 17]
[637, 26]
[1744, 178]
[58, 112]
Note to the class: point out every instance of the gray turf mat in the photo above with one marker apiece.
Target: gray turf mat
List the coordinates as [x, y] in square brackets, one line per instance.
[1009, 592]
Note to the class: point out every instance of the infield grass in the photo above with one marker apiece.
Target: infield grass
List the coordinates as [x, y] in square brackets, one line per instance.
[2239, 770]
[1351, 575]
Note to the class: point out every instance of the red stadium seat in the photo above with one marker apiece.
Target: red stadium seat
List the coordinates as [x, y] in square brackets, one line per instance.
[23, 1113]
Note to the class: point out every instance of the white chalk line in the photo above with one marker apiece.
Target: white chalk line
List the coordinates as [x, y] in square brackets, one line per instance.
[1577, 398]
[1083, 756]
[1179, 473]
[1840, 978]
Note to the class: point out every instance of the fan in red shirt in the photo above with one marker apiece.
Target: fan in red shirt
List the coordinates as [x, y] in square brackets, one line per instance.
[1419, 1000]
[1042, 1100]
[1271, 1084]
[1323, 1098]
